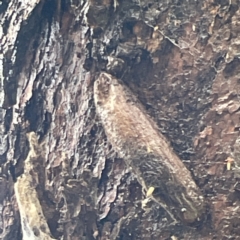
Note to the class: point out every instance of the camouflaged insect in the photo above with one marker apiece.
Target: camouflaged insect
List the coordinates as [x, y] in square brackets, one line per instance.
[136, 138]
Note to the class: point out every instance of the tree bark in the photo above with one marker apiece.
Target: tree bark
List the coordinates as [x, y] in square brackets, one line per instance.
[70, 169]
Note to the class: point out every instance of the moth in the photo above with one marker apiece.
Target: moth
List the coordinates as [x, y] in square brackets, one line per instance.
[136, 138]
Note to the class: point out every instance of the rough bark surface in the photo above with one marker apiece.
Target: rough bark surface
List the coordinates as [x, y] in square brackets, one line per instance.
[181, 61]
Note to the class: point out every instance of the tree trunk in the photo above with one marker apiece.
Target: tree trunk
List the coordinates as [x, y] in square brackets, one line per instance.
[119, 119]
